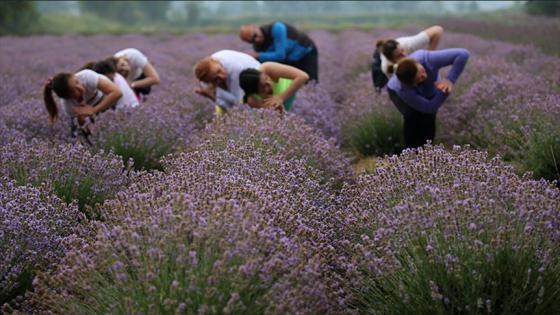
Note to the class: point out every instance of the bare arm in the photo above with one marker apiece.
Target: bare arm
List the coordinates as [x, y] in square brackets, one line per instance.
[435, 33]
[209, 91]
[112, 95]
[277, 70]
[152, 77]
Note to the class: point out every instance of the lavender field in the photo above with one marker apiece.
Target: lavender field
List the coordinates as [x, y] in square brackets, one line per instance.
[174, 211]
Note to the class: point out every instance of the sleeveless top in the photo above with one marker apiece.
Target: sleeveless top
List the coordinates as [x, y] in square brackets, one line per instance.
[279, 88]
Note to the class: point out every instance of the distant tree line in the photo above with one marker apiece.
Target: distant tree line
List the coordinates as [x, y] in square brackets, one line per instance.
[20, 17]
[17, 17]
[550, 8]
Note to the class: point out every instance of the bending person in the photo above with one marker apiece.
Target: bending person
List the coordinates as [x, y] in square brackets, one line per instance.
[283, 43]
[394, 50]
[220, 72]
[418, 92]
[138, 71]
[107, 68]
[83, 95]
[274, 85]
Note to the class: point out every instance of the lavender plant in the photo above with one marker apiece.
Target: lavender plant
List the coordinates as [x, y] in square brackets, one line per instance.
[71, 172]
[35, 229]
[232, 228]
[450, 232]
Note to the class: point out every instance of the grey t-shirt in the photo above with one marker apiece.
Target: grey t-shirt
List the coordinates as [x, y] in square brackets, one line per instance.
[92, 94]
[234, 62]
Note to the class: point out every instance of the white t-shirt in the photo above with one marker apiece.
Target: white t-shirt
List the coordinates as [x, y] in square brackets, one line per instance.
[92, 95]
[128, 98]
[410, 44]
[136, 60]
[234, 62]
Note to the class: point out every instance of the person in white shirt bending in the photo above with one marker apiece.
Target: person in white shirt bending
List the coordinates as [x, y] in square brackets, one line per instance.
[138, 71]
[394, 50]
[107, 68]
[220, 72]
[83, 95]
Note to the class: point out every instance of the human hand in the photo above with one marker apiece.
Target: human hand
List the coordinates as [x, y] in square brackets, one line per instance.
[200, 91]
[274, 102]
[445, 86]
[84, 110]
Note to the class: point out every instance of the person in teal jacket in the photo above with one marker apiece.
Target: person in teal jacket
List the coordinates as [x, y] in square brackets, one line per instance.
[283, 43]
[273, 85]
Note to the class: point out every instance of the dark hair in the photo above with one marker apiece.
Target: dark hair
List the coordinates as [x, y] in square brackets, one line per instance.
[387, 47]
[88, 65]
[406, 70]
[249, 81]
[105, 67]
[58, 84]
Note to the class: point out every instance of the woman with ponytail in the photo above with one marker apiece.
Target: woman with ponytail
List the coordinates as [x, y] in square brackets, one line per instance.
[83, 95]
[394, 50]
[107, 68]
[140, 73]
[418, 92]
[274, 85]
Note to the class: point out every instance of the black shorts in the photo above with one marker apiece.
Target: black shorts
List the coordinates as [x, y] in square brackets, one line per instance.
[309, 64]
[143, 90]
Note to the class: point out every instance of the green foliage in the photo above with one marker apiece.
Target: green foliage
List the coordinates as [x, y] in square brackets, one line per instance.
[127, 12]
[132, 145]
[549, 8]
[17, 17]
[183, 278]
[542, 152]
[70, 187]
[193, 12]
[491, 281]
[375, 134]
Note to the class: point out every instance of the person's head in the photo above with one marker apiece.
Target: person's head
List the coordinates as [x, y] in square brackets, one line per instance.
[65, 85]
[121, 65]
[211, 71]
[105, 67]
[409, 72]
[391, 49]
[252, 81]
[250, 33]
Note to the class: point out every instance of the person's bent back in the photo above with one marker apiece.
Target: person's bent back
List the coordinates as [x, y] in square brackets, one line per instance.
[283, 43]
[220, 72]
[418, 91]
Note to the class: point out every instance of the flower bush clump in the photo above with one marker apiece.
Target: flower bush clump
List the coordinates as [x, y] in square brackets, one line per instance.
[371, 125]
[71, 172]
[146, 134]
[233, 228]
[36, 228]
[519, 127]
[289, 138]
[453, 232]
[319, 111]
[7, 134]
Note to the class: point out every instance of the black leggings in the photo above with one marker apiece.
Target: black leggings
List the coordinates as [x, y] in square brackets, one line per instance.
[309, 64]
[143, 90]
[418, 127]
